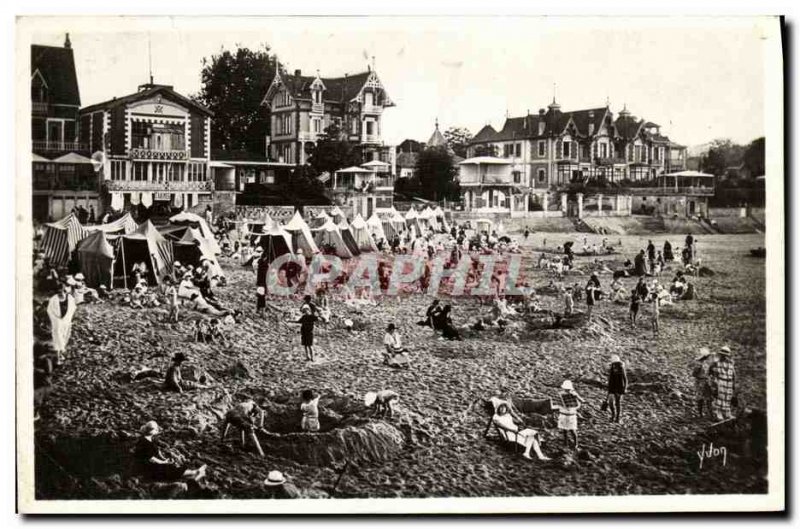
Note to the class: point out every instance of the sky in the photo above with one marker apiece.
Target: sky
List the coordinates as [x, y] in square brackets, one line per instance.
[700, 79]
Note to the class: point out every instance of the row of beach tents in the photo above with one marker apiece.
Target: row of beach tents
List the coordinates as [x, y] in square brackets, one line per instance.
[333, 231]
[107, 252]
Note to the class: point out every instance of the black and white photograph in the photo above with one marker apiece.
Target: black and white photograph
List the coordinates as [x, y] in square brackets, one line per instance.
[372, 264]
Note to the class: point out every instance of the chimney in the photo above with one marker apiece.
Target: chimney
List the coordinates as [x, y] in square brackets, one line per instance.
[67, 43]
[297, 73]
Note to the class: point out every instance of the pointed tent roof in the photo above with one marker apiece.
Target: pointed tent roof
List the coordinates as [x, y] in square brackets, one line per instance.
[375, 226]
[358, 222]
[185, 217]
[125, 224]
[276, 242]
[301, 234]
[37, 158]
[194, 237]
[96, 243]
[411, 214]
[362, 235]
[348, 237]
[329, 234]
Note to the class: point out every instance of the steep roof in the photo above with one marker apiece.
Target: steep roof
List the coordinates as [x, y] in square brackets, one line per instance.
[147, 92]
[487, 133]
[436, 139]
[57, 68]
[337, 89]
[627, 126]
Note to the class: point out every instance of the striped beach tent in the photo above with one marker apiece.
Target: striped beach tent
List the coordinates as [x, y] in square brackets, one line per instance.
[145, 245]
[61, 238]
[123, 225]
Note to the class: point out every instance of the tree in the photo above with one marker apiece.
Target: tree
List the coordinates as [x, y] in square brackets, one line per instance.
[754, 157]
[233, 84]
[458, 139]
[333, 152]
[722, 154]
[436, 175]
[486, 150]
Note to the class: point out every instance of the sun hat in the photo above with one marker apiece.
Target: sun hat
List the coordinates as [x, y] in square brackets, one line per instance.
[725, 350]
[176, 263]
[260, 291]
[275, 478]
[370, 398]
[567, 385]
[71, 281]
[702, 353]
[79, 276]
[348, 322]
[615, 359]
[150, 427]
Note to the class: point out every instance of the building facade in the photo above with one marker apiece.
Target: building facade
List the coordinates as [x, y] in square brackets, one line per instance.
[303, 107]
[154, 146]
[552, 151]
[63, 178]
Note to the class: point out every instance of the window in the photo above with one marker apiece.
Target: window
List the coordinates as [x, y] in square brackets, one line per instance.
[353, 126]
[542, 147]
[518, 150]
[517, 177]
[370, 128]
[139, 171]
[369, 99]
[603, 150]
[566, 149]
[542, 176]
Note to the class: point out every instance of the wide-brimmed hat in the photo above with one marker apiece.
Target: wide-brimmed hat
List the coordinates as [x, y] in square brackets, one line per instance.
[615, 359]
[370, 398]
[150, 427]
[725, 350]
[79, 277]
[179, 357]
[567, 385]
[702, 353]
[275, 478]
[176, 263]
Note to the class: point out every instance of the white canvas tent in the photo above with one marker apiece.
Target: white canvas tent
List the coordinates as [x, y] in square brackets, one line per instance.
[319, 220]
[375, 227]
[302, 239]
[347, 237]
[196, 221]
[362, 235]
[329, 235]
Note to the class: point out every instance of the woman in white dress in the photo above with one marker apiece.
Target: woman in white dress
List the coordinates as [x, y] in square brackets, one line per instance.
[61, 309]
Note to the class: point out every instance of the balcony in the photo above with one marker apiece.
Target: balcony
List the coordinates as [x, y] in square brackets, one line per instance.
[144, 185]
[372, 109]
[317, 108]
[609, 160]
[673, 191]
[59, 146]
[384, 182]
[65, 182]
[138, 153]
[39, 108]
[370, 138]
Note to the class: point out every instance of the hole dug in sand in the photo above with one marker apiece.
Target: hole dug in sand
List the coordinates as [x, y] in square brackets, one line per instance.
[347, 433]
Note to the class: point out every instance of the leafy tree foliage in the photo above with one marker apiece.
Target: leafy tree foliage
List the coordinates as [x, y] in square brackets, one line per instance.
[754, 157]
[722, 154]
[436, 176]
[333, 152]
[233, 84]
[457, 139]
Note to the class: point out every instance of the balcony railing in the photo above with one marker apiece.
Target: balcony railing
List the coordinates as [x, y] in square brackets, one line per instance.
[384, 182]
[372, 109]
[609, 160]
[138, 153]
[673, 191]
[370, 138]
[39, 107]
[65, 182]
[143, 185]
[59, 146]
[317, 108]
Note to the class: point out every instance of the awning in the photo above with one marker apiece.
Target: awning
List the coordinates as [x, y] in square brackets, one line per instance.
[484, 160]
[73, 158]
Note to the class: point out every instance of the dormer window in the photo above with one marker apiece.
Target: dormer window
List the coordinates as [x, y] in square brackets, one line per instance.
[316, 96]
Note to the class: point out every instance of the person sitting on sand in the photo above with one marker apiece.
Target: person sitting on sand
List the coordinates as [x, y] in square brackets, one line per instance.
[309, 408]
[395, 354]
[444, 322]
[196, 302]
[527, 437]
[174, 380]
[154, 465]
[432, 310]
[277, 488]
[383, 401]
[137, 297]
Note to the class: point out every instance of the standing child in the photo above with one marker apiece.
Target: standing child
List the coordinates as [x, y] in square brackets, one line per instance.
[261, 301]
[568, 412]
[306, 322]
[172, 300]
[655, 315]
[634, 312]
[617, 386]
[569, 302]
[310, 410]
